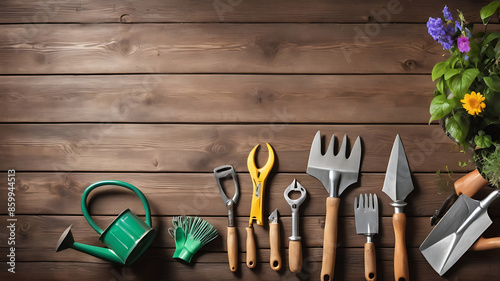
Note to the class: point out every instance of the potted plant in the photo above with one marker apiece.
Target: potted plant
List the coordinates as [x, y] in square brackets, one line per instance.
[467, 95]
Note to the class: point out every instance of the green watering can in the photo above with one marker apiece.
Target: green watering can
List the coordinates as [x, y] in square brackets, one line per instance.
[127, 237]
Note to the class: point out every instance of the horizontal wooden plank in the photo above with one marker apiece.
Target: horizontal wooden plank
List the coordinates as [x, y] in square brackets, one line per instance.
[172, 194]
[349, 266]
[217, 48]
[219, 98]
[165, 147]
[44, 231]
[93, 11]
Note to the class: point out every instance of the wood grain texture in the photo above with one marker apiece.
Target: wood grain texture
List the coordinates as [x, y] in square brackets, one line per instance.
[42, 231]
[94, 11]
[165, 147]
[217, 48]
[192, 194]
[219, 98]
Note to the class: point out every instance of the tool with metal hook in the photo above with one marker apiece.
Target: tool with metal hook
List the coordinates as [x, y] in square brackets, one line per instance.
[295, 245]
[259, 177]
[232, 239]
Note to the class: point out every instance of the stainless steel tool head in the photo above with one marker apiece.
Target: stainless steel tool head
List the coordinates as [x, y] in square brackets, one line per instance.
[222, 172]
[398, 183]
[295, 186]
[273, 217]
[457, 231]
[335, 172]
[366, 214]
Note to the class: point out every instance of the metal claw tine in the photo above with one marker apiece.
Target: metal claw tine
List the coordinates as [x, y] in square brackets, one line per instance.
[356, 149]
[343, 148]
[375, 202]
[316, 145]
[331, 146]
[361, 201]
[356, 206]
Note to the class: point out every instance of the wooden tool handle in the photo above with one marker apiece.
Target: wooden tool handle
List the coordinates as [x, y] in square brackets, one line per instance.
[401, 272]
[483, 244]
[470, 183]
[330, 238]
[370, 262]
[295, 256]
[232, 248]
[274, 240]
[251, 249]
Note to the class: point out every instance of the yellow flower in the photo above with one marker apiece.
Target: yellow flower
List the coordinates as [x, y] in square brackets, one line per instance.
[473, 103]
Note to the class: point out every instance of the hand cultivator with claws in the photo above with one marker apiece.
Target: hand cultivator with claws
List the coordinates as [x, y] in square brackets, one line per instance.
[336, 173]
[259, 177]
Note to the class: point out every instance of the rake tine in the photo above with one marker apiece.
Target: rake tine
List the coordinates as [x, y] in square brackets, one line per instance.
[343, 148]
[375, 202]
[356, 150]
[331, 146]
[316, 145]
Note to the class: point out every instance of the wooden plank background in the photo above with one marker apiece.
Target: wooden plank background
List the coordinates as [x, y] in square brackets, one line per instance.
[159, 93]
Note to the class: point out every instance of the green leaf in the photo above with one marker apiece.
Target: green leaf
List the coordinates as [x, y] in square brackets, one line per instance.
[458, 127]
[488, 10]
[474, 52]
[440, 86]
[482, 140]
[438, 70]
[459, 83]
[440, 107]
[493, 82]
[450, 73]
[490, 37]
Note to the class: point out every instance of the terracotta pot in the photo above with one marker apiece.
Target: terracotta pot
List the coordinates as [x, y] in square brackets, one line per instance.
[470, 184]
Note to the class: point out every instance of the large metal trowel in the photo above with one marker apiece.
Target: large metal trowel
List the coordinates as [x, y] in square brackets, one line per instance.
[455, 233]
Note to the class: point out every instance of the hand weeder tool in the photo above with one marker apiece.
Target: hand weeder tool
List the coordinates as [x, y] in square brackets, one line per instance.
[232, 238]
[397, 185]
[366, 214]
[274, 241]
[336, 173]
[259, 177]
[295, 244]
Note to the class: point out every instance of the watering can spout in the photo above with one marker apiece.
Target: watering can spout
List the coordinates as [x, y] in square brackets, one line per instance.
[66, 241]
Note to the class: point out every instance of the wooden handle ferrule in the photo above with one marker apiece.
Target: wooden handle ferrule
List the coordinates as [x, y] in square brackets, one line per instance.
[330, 238]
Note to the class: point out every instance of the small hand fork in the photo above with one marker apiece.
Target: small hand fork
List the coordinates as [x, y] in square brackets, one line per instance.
[295, 246]
[232, 239]
[366, 214]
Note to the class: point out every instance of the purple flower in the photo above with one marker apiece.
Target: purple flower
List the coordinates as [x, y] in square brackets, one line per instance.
[447, 14]
[458, 26]
[463, 44]
[435, 27]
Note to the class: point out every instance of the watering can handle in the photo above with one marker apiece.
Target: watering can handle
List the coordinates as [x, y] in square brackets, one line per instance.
[112, 182]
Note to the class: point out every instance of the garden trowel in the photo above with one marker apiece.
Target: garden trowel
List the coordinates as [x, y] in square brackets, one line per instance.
[455, 233]
[397, 185]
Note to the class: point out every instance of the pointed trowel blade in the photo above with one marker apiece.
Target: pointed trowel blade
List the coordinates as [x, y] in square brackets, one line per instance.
[398, 183]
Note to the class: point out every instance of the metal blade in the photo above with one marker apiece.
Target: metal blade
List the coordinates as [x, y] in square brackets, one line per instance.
[273, 217]
[455, 233]
[398, 183]
[445, 245]
[366, 214]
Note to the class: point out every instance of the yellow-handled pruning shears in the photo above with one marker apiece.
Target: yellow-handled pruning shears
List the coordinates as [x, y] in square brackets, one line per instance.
[259, 177]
